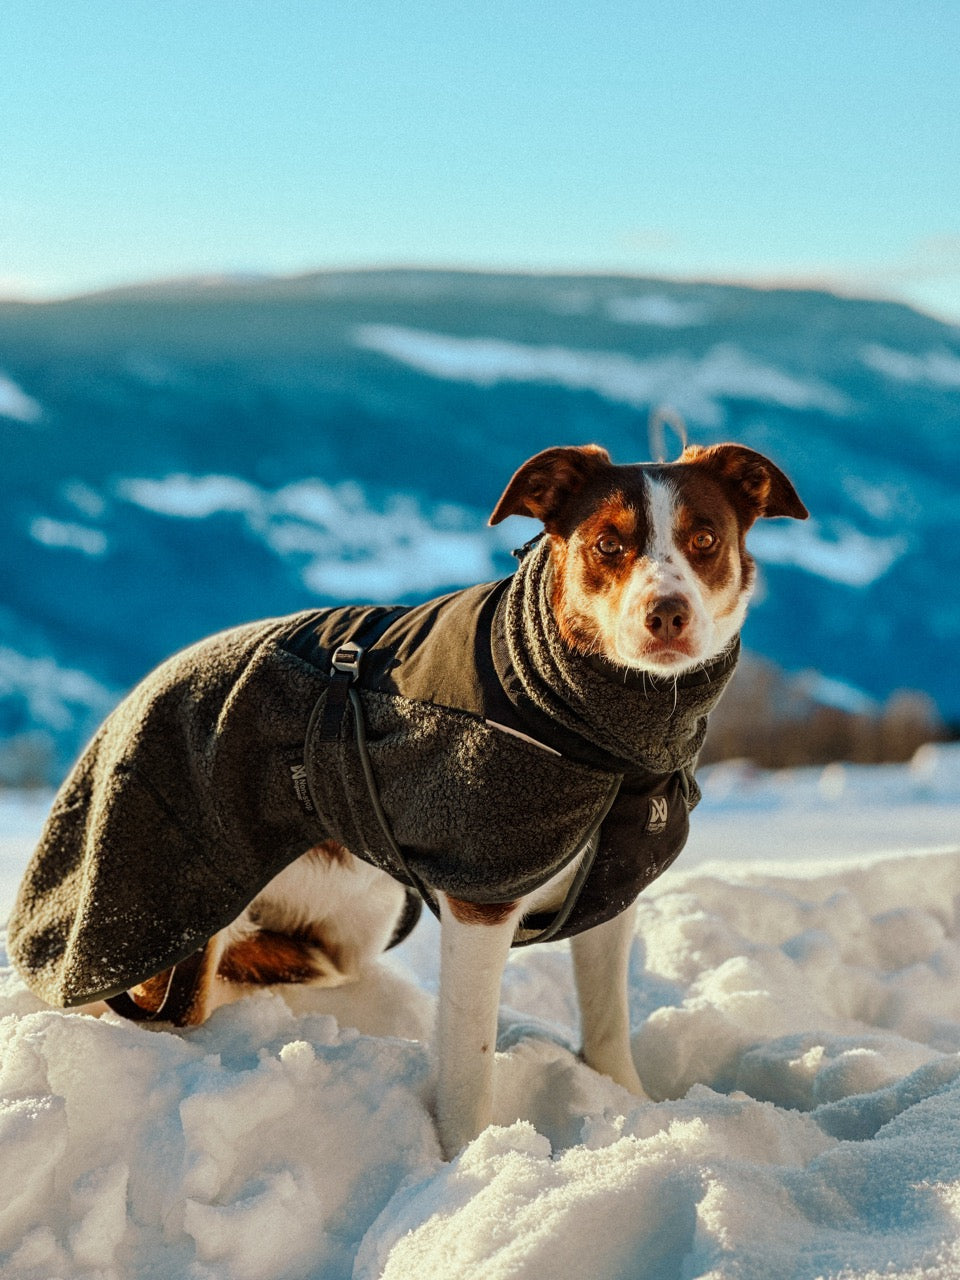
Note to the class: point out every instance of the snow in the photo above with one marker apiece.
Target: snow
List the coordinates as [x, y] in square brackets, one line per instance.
[16, 404]
[939, 368]
[835, 693]
[68, 536]
[51, 691]
[838, 552]
[191, 497]
[694, 386]
[656, 309]
[21, 817]
[342, 543]
[796, 1011]
[84, 498]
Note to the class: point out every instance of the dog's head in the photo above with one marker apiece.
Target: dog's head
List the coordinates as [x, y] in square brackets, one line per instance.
[649, 561]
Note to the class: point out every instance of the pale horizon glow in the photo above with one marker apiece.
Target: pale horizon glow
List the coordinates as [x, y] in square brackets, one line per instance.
[756, 144]
[936, 302]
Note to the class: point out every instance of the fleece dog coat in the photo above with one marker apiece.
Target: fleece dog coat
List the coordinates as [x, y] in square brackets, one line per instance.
[497, 756]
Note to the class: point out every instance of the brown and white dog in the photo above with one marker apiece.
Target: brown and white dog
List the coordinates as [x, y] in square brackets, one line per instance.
[650, 571]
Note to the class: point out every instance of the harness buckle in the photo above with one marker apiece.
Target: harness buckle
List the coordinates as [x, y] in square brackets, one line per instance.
[520, 552]
[347, 659]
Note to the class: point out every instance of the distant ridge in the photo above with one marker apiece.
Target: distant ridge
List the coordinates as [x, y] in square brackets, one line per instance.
[382, 278]
[182, 455]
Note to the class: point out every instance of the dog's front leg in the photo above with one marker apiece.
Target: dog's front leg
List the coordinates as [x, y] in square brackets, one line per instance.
[601, 957]
[474, 944]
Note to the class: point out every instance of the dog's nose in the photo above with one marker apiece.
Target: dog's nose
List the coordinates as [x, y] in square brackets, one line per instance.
[667, 618]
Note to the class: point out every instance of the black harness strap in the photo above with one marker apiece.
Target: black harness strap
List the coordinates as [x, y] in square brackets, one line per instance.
[547, 927]
[360, 730]
[346, 667]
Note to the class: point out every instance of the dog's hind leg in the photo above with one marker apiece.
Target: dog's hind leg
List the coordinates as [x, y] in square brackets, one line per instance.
[182, 995]
[474, 944]
[263, 957]
[322, 921]
[601, 957]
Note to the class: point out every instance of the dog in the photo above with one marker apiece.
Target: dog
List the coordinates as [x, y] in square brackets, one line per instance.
[518, 755]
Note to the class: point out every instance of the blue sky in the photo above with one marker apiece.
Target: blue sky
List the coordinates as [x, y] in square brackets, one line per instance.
[800, 142]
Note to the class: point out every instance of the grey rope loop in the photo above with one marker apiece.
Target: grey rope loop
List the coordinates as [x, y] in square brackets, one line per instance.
[663, 415]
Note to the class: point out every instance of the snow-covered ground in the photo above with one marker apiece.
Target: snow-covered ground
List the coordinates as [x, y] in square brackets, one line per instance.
[795, 995]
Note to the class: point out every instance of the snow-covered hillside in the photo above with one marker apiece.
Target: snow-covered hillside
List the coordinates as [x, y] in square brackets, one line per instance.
[796, 1008]
[180, 460]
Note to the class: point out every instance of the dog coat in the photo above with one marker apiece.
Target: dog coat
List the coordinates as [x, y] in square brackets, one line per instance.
[496, 755]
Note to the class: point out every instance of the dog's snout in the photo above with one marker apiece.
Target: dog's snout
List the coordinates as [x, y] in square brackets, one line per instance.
[667, 618]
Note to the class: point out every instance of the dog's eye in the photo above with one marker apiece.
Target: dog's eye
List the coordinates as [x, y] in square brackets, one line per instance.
[704, 540]
[609, 546]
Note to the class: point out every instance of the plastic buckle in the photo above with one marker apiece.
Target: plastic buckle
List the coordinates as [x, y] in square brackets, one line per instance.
[347, 659]
[519, 552]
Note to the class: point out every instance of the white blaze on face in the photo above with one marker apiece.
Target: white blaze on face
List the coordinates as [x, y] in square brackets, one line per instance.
[715, 608]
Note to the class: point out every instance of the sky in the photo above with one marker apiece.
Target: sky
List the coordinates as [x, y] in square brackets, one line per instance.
[808, 142]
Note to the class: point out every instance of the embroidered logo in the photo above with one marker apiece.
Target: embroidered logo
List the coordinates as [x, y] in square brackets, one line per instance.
[659, 812]
[298, 773]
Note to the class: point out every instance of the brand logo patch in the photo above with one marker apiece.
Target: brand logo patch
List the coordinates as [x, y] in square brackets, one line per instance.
[659, 812]
[298, 773]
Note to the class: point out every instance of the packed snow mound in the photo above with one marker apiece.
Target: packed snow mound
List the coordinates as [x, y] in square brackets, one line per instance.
[800, 1032]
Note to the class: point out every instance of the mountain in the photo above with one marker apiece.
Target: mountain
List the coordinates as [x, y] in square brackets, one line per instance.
[183, 457]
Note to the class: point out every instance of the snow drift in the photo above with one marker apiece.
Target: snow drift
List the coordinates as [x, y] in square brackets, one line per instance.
[797, 1026]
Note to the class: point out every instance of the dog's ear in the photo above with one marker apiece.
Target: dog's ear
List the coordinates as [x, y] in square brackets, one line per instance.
[544, 485]
[756, 486]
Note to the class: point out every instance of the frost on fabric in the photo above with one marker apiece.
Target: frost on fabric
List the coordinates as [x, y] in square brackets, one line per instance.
[799, 1033]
